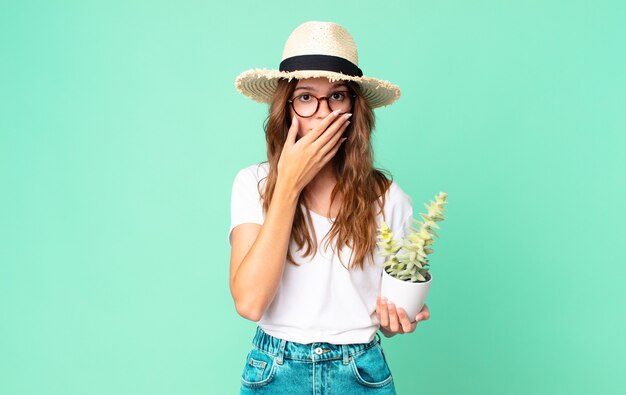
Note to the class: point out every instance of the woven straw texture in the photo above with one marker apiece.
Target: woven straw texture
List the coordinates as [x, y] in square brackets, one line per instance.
[316, 38]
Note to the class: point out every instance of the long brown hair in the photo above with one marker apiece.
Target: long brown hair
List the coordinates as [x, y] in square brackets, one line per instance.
[363, 187]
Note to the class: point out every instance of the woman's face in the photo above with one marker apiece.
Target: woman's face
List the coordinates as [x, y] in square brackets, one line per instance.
[309, 88]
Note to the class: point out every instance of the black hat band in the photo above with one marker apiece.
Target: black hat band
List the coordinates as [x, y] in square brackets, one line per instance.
[321, 62]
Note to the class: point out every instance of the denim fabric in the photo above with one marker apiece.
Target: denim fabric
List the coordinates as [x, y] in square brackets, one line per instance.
[277, 366]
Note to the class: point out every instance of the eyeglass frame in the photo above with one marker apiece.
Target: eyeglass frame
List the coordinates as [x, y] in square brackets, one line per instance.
[319, 99]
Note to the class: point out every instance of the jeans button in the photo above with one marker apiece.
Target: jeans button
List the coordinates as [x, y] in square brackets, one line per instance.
[319, 351]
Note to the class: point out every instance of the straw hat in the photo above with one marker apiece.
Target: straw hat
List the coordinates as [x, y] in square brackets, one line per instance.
[317, 49]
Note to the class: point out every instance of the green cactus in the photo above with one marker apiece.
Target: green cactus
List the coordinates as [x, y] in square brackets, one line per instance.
[408, 260]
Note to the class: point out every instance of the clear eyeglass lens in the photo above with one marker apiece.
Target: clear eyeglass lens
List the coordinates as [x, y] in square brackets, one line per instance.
[305, 105]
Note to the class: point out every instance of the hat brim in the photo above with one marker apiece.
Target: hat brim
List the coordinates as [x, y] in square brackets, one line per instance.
[260, 84]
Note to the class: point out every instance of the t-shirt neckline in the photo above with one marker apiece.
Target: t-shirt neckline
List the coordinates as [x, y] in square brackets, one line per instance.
[318, 215]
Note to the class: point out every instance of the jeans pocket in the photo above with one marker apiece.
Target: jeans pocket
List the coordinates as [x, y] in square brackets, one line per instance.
[370, 368]
[259, 369]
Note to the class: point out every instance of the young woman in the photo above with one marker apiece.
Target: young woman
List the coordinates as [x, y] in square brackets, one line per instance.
[303, 225]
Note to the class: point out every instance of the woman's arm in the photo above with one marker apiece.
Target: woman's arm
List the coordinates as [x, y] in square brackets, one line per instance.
[258, 252]
[258, 255]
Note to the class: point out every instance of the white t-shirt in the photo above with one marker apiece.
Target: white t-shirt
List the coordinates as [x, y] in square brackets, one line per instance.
[320, 300]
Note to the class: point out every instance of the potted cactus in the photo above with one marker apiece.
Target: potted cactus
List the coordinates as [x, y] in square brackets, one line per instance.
[406, 278]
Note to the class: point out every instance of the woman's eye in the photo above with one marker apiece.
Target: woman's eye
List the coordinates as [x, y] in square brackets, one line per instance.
[304, 97]
[338, 96]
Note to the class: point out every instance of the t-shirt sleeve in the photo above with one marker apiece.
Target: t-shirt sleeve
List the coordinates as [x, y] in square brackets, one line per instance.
[245, 201]
[406, 219]
[401, 215]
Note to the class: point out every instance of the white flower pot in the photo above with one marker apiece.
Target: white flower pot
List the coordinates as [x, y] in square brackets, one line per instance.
[410, 296]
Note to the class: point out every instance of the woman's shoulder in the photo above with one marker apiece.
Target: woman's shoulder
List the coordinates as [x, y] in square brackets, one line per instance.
[396, 195]
[251, 178]
[398, 208]
[256, 171]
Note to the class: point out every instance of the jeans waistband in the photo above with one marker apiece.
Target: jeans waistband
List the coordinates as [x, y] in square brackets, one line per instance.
[311, 352]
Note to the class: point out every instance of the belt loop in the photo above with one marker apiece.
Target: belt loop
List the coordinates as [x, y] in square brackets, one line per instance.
[346, 358]
[281, 351]
[378, 337]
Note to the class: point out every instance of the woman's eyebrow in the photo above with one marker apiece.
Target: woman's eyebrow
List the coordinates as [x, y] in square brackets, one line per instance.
[310, 88]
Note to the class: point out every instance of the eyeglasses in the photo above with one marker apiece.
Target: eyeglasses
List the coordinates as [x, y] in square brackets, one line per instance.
[306, 105]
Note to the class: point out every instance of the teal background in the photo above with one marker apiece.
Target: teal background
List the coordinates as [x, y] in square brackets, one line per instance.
[121, 133]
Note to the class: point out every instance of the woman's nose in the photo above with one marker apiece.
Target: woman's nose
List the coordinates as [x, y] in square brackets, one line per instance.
[324, 108]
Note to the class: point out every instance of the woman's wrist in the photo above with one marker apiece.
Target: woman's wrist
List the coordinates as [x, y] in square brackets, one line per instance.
[286, 191]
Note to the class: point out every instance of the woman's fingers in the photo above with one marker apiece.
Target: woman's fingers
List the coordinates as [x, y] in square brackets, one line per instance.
[330, 154]
[333, 127]
[381, 307]
[293, 131]
[395, 319]
[329, 136]
[334, 138]
[325, 147]
[407, 325]
[321, 128]
[423, 315]
[394, 324]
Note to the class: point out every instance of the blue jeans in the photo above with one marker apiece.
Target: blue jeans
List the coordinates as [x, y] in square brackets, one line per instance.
[277, 366]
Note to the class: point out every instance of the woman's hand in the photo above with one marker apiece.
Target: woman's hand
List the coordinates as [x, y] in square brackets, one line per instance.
[395, 320]
[301, 160]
